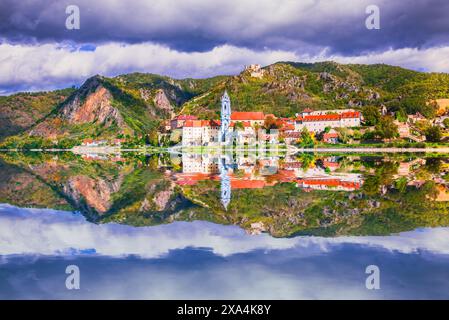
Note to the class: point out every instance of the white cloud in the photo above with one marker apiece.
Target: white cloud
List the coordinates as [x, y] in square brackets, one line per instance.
[46, 66]
[430, 60]
[50, 232]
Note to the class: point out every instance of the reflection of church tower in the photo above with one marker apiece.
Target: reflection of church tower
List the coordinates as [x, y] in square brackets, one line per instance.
[225, 116]
[225, 184]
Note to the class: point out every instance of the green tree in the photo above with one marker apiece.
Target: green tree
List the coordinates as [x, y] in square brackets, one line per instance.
[372, 115]
[343, 134]
[401, 184]
[386, 128]
[152, 138]
[239, 126]
[401, 115]
[433, 134]
[306, 138]
[446, 123]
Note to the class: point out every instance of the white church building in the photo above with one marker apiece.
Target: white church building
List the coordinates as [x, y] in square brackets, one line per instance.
[214, 132]
[250, 125]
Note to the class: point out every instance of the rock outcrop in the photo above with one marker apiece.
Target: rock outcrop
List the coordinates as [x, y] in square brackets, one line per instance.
[95, 108]
[97, 193]
[162, 102]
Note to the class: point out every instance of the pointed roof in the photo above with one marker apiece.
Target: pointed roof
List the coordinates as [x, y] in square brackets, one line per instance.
[245, 116]
[225, 95]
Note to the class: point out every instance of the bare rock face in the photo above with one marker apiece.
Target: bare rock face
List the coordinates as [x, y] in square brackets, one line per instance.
[326, 76]
[162, 102]
[157, 201]
[95, 108]
[96, 192]
[92, 103]
[161, 199]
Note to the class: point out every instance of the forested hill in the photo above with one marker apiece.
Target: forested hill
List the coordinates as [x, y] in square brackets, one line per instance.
[135, 104]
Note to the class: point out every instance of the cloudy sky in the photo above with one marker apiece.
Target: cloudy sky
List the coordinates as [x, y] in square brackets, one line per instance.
[201, 260]
[200, 38]
[26, 231]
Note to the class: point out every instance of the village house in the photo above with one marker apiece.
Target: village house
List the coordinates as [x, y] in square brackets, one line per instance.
[413, 118]
[403, 129]
[246, 134]
[291, 137]
[247, 127]
[330, 137]
[179, 121]
[318, 121]
[93, 143]
[200, 132]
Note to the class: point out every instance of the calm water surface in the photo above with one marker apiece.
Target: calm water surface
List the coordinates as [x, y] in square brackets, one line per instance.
[194, 226]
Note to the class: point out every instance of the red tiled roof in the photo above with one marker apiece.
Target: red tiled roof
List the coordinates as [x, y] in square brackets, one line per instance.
[246, 124]
[215, 123]
[331, 164]
[322, 117]
[247, 184]
[307, 110]
[202, 123]
[239, 116]
[287, 127]
[294, 134]
[329, 117]
[292, 165]
[331, 183]
[193, 123]
[354, 114]
[330, 135]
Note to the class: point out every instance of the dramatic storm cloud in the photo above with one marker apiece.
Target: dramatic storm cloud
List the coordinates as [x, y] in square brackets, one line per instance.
[43, 67]
[193, 25]
[200, 38]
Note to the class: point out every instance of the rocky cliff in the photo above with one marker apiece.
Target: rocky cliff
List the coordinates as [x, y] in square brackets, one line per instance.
[135, 104]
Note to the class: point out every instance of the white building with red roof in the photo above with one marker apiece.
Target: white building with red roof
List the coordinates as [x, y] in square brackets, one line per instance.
[200, 132]
[210, 132]
[317, 121]
[178, 121]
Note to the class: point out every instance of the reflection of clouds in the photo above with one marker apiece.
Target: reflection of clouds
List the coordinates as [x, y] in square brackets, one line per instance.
[237, 266]
[194, 275]
[50, 232]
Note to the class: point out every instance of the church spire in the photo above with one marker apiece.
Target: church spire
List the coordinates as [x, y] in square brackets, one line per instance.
[225, 116]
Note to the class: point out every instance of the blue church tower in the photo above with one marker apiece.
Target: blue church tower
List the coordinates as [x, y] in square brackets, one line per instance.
[225, 116]
[225, 183]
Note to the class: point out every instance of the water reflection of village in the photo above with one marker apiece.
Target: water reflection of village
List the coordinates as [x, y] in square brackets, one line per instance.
[310, 172]
[270, 191]
[252, 172]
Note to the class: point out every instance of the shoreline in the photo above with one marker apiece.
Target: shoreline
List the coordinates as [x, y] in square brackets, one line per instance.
[289, 149]
[378, 149]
